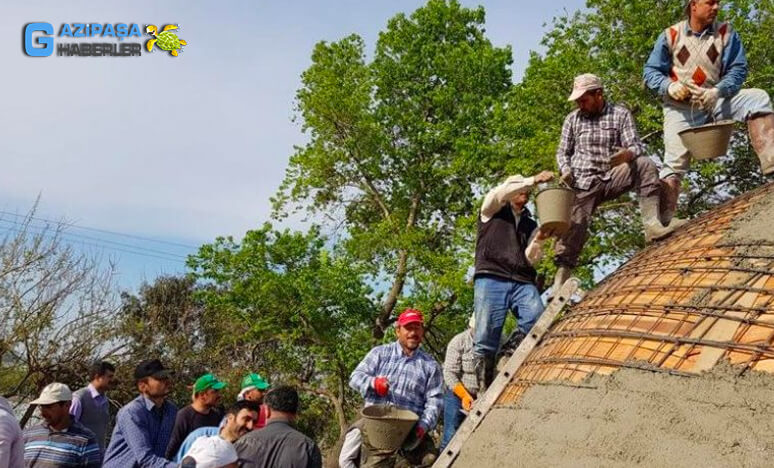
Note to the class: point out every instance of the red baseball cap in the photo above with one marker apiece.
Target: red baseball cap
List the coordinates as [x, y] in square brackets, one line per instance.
[410, 316]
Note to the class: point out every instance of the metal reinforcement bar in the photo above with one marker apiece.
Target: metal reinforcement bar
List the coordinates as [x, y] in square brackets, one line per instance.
[486, 401]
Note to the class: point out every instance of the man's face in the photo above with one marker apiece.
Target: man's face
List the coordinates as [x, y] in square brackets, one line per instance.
[520, 199]
[55, 414]
[155, 387]
[255, 395]
[210, 397]
[242, 423]
[410, 335]
[102, 382]
[705, 11]
[591, 102]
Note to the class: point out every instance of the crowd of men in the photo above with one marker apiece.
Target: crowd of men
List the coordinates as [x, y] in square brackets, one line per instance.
[697, 68]
[150, 432]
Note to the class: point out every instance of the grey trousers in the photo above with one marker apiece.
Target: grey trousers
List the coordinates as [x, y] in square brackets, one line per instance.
[640, 175]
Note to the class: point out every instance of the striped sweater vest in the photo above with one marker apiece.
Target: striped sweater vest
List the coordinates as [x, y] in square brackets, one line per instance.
[697, 58]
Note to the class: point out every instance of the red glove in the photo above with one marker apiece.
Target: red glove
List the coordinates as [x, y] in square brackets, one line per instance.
[381, 386]
[420, 432]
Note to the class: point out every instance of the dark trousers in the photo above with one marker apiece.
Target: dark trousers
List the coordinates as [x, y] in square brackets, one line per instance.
[452, 417]
[640, 175]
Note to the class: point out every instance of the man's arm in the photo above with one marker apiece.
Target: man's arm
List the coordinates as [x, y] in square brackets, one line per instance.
[350, 451]
[138, 441]
[92, 455]
[497, 197]
[630, 139]
[656, 71]
[362, 377]
[179, 433]
[734, 66]
[433, 399]
[76, 408]
[452, 363]
[566, 146]
[534, 251]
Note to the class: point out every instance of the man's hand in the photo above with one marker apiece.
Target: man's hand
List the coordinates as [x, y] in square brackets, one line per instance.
[567, 178]
[544, 233]
[464, 396]
[419, 432]
[622, 156]
[381, 386]
[706, 98]
[544, 176]
[678, 91]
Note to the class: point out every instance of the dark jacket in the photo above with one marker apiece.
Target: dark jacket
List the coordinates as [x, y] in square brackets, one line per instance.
[500, 246]
[278, 445]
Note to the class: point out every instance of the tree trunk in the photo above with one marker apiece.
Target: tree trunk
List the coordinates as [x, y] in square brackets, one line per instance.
[383, 320]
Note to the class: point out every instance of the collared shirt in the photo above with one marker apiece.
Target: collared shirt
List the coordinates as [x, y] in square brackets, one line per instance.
[733, 69]
[278, 445]
[11, 441]
[416, 381]
[206, 431]
[141, 435]
[458, 365]
[76, 408]
[587, 143]
[76, 446]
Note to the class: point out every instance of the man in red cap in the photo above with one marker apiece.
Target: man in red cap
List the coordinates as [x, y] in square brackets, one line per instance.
[403, 375]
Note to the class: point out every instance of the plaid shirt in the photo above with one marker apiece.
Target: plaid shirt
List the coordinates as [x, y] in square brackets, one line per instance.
[588, 142]
[141, 435]
[458, 365]
[416, 381]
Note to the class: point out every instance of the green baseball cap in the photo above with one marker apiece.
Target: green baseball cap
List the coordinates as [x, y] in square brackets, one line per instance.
[255, 380]
[208, 381]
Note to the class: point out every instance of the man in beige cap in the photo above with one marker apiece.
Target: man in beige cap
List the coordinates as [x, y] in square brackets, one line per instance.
[601, 157]
[59, 441]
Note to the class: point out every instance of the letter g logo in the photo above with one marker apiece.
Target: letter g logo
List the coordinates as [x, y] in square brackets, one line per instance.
[44, 40]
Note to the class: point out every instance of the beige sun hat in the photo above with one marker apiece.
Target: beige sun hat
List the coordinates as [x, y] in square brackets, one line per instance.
[583, 83]
[53, 393]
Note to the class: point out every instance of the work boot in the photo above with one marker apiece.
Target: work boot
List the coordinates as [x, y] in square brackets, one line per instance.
[761, 129]
[670, 192]
[654, 230]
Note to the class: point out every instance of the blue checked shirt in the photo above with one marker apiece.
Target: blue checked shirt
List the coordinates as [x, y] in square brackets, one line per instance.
[416, 382]
[141, 435]
[587, 143]
[732, 74]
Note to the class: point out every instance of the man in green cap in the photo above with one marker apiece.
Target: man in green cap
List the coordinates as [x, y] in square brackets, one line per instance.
[254, 387]
[203, 411]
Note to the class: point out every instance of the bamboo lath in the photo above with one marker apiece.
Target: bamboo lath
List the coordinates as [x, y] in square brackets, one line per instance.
[679, 306]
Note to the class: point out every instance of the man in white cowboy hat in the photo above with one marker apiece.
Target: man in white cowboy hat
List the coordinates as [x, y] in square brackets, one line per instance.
[60, 440]
[697, 67]
[601, 156]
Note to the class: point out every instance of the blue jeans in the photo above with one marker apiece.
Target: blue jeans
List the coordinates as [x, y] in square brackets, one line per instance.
[452, 417]
[493, 298]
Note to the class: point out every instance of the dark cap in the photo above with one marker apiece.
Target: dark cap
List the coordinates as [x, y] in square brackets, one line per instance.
[150, 368]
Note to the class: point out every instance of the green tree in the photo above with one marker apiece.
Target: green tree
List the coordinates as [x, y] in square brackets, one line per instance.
[398, 148]
[304, 308]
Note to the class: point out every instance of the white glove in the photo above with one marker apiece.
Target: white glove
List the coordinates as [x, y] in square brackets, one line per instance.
[706, 98]
[678, 91]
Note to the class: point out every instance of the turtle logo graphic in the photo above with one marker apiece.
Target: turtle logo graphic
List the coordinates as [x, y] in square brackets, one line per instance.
[165, 40]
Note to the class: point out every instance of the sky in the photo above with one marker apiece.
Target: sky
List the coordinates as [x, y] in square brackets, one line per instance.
[149, 157]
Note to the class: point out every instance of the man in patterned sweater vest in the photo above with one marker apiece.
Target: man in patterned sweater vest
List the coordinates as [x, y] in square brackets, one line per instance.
[698, 67]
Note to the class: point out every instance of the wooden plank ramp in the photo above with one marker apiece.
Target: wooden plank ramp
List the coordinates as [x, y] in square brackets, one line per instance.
[486, 401]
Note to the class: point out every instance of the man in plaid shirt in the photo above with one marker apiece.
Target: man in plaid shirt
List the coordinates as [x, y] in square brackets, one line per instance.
[402, 375]
[601, 156]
